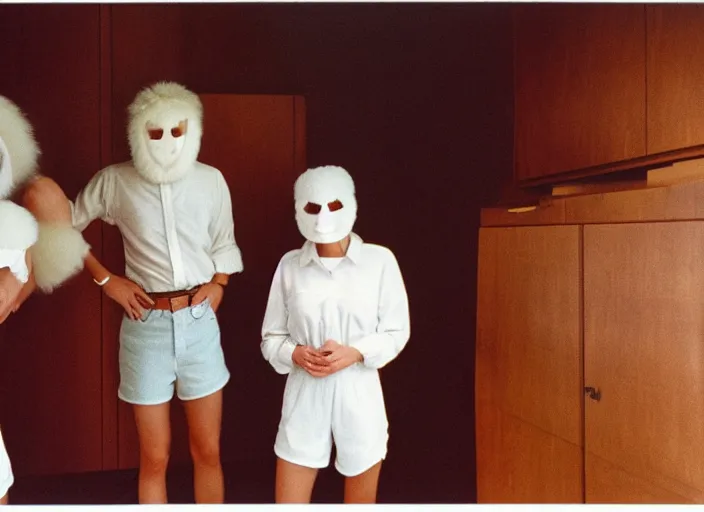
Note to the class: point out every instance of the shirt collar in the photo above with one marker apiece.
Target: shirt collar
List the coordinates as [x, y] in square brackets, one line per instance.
[354, 251]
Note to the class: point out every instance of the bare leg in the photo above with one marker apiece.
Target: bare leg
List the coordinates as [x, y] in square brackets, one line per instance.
[154, 430]
[4, 500]
[362, 488]
[204, 417]
[294, 483]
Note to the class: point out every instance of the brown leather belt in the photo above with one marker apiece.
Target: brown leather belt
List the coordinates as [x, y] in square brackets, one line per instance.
[172, 301]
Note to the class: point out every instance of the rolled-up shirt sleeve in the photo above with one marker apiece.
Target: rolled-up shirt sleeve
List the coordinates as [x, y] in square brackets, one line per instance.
[394, 327]
[94, 201]
[277, 346]
[225, 253]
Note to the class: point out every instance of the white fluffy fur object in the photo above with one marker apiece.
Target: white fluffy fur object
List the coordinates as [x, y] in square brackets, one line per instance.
[18, 135]
[58, 255]
[18, 228]
[164, 104]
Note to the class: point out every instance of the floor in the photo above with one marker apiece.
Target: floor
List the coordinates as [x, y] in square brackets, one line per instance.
[244, 484]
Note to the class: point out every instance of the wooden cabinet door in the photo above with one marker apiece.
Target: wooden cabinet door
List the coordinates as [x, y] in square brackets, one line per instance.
[258, 143]
[579, 86]
[644, 352]
[675, 76]
[529, 366]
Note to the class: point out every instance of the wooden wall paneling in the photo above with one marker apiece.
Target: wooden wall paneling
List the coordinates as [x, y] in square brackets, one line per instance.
[250, 138]
[675, 76]
[51, 356]
[109, 368]
[529, 365]
[579, 86]
[643, 331]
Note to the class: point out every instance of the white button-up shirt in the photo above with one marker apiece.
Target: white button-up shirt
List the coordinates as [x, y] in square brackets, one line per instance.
[362, 303]
[176, 235]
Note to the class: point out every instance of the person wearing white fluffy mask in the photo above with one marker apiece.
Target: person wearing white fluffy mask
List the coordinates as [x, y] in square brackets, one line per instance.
[175, 217]
[57, 250]
[27, 247]
[337, 312]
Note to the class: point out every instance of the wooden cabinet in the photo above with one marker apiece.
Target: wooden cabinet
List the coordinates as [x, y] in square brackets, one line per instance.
[675, 76]
[579, 86]
[643, 332]
[604, 270]
[528, 366]
[604, 87]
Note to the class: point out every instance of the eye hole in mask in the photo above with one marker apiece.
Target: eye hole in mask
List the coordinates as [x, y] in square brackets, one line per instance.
[179, 130]
[155, 133]
[335, 205]
[312, 208]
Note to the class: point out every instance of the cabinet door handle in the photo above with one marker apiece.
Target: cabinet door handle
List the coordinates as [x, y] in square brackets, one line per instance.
[593, 393]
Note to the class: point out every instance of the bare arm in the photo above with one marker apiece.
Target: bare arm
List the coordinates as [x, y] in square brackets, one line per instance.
[96, 269]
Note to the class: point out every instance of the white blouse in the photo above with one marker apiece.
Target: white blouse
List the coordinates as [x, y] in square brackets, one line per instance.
[361, 302]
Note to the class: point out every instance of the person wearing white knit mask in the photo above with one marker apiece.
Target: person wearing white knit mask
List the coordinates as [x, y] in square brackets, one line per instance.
[337, 312]
[175, 217]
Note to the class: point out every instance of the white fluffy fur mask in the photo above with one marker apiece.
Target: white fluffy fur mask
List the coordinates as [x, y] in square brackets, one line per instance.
[326, 206]
[165, 128]
[18, 148]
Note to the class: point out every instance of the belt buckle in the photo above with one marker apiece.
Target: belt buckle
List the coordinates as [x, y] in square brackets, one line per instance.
[178, 303]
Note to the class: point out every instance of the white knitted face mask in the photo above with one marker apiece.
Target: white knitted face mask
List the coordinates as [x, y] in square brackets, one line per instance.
[326, 207]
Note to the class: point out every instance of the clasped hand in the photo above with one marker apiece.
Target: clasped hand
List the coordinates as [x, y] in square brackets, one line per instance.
[330, 358]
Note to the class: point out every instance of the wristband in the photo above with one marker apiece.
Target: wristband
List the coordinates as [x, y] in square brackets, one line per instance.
[103, 282]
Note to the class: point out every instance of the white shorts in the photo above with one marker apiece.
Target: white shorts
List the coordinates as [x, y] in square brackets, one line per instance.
[347, 407]
[6, 476]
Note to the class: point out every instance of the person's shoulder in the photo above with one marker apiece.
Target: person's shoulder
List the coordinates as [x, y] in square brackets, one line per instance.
[207, 170]
[117, 171]
[291, 257]
[377, 251]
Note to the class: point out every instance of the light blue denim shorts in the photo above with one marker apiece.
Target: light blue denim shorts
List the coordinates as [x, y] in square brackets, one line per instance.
[164, 351]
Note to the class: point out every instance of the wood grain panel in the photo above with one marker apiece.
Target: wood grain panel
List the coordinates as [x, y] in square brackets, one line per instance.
[608, 483]
[644, 325]
[546, 212]
[678, 202]
[528, 358]
[250, 138]
[520, 463]
[675, 76]
[579, 86]
[50, 365]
